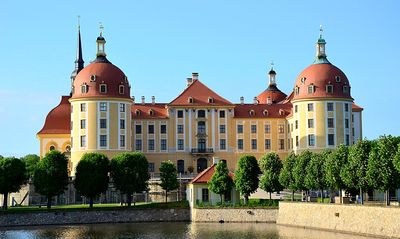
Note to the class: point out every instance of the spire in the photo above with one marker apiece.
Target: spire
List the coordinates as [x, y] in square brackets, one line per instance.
[79, 63]
[272, 75]
[321, 55]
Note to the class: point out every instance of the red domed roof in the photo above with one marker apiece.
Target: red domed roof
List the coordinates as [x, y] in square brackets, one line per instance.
[322, 76]
[101, 71]
[273, 93]
[58, 121]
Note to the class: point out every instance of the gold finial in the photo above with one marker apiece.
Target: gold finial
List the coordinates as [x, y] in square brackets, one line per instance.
[101, 28]
[79, 22]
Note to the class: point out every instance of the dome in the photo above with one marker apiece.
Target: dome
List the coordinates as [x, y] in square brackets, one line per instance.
[322, 81]
[274, 94]
[101, 79]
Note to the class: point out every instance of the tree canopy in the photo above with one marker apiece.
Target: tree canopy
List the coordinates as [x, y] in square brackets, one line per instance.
[91, 177]
[31, 160]
[12, 177]
[271, 167]
[50, 177]
[299, 170]
[169, 177]
[286, 176]
[246, 176]
[333, 165]
[130, 174]
[220, 183]
[315, 174]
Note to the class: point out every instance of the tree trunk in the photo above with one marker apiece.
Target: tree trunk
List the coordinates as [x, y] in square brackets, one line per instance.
[361, 196]
[387, 198]
[49, 202]
[292, 196]
[129, 198]
[322, 196]
[340, 196]
[166, 196]
[270, 198]
[246, 199]
[221, 198]
[90, 202]
[5, 201]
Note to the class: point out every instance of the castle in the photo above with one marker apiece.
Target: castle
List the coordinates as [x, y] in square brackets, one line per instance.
[198, 125]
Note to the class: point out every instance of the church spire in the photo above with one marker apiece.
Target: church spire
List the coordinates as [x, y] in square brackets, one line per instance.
[321, 54]
[79, 63]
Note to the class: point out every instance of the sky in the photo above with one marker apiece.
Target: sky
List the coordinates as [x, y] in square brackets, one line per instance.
[158, 44]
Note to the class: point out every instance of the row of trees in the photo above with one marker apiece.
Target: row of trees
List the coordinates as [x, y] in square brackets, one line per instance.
[128, 172]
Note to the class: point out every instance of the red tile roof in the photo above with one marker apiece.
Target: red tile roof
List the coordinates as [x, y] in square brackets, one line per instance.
[159, 111]
[273, 93]
[356, 108]
[200, 94]
[58, 120]
[207, 174]
[262, 110]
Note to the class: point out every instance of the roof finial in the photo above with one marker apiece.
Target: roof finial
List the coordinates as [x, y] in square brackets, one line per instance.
[272, 65]
[79, 22]
[101, 28]
[320, 31]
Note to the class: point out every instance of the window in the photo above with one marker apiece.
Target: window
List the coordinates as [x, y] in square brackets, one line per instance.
[296, 108]
[253, 128]
[92, 78]
[180, 128]
[83, 140]
[138, 144]
[163, 129]
[337, 78]
[180, 144]
[310, 89]
[222, 113]
[331, 139]
[329, 89]
[267, 143]
[222, 129]
[83, 107]
[138, 129]
[52, 148]
[121, 107]
[151, 112]
[297, 141]
[137, 112]
[151, 129]
[311, 140]
[163, 144]
[103, 123]
[201, 127]
[240, 144]
[346, 123]
[204, 194]
[210, 100]
[296, 90]
[84, 89]
[201, 114]
[180, 113]
[347, 139]
[281, 129]
[302, 80]
[190, 100]
[240, 129]
[345, 89]
[83, 124]
[296, 124]
[330, 106]
[346, 107]
[288, 127]
[121, 89]
[310, 123]
[254, 144]
[103, 140]
[267, 128]
[252, 113]
[151, 144]
[68, 148]
[288, 143]
[330, 123]
[151, 167]
[103, 106]
[352, 118]
[122, 124]
[281, 144]
[310, 107]
[122, 140]
[103, 88]
[222, 144]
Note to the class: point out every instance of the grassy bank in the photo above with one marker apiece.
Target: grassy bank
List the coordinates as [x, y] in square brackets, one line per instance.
[253, 203]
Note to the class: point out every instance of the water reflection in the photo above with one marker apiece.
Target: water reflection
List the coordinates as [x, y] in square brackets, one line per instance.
[170, 230]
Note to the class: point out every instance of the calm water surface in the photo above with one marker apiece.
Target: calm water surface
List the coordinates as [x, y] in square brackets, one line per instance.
[169, 230]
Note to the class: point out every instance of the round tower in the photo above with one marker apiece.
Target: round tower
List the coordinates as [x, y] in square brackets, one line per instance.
[272, 94]
[100, 109]
[322, 105]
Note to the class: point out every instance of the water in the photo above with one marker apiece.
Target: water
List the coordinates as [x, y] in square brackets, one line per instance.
[170, 230]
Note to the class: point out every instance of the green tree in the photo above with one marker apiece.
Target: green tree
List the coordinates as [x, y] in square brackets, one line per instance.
[91, 178]
[221, 183]
[130, 173]
[333, 165]
[286, 176]
[315, 175]
[50, 177]
[271, 167]
[299, 170]
[12, 177]
[169, 177]
[354, 171]
[246, 176]
[381, 171]
[31, 160]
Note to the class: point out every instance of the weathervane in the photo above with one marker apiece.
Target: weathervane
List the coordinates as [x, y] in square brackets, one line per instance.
[320, 31]
[101, 28]
[79, 22]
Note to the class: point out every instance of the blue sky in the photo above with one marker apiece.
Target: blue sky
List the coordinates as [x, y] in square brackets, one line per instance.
[159, 43]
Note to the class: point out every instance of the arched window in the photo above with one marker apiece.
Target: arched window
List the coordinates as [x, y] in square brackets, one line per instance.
[137, 112]
[210, 100]
[337, 78]
[121, 90]
[329, 89]
[151, 112]
[52, 147]
[252, 113]
[190, 100]
[84, 88]
[265, 112]
[68, 148]
[103, 88]
[92, 78]
[311, 89]
[296, 90]
[303, 80]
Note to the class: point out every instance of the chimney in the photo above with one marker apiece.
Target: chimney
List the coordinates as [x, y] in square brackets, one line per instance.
[143, 100]
[189, 81]
[133, 98]
[241, 100]
[255, 101]
[195, 76]
[153, 100]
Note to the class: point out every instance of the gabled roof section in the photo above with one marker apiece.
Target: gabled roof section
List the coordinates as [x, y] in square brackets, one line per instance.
[149, 111]
[200, 94]
[58, 120]
[262, 110]
[207, 174]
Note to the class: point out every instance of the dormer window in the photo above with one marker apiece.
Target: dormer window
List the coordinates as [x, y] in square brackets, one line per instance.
[281, 112]
[345, 89]
[92, 78]
[151, 112]
[121, 89]
[269, 101]
[84, 88]
[190, 100]
[337, 78]
[137, 112]
[303, 80]
[296, 90]
[265, 112]
[311, 89]
[252, 113]
[210, 100]
[329, 89]
[103, 88]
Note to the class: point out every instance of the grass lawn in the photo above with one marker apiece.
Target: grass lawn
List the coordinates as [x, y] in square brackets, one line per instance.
[253, 203]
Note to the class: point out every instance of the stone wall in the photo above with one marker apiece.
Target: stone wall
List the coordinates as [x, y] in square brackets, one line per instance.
[366, 220]
[234, 215]
[93, 216]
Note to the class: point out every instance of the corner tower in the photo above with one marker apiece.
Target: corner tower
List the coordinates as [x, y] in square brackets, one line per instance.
[100, 109]
[322, 105]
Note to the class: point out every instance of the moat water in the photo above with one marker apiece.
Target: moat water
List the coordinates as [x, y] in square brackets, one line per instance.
[170, 230]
